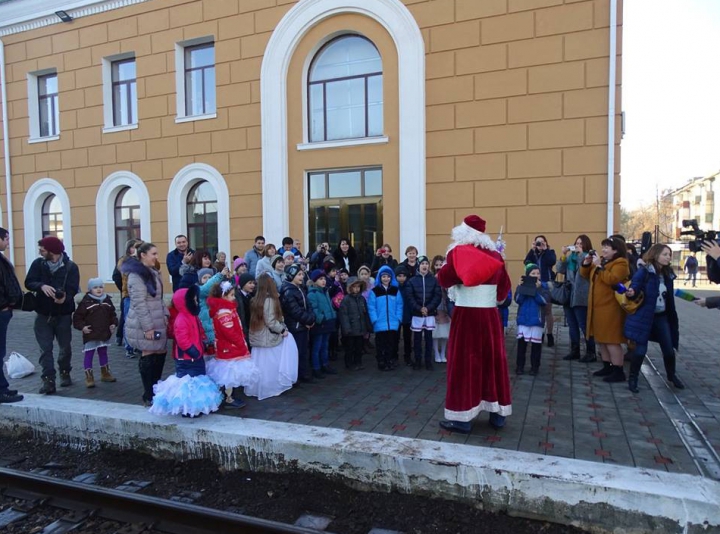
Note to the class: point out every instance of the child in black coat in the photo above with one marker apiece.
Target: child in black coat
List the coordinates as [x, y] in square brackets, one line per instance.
[355, 323]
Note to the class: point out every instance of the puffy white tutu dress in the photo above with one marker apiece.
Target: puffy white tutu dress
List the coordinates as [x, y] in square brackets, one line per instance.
[188, 395]
[233, 373]
[278, 369]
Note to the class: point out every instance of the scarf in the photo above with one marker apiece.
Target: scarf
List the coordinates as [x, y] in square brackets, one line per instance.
[54, 266]
[101, 298]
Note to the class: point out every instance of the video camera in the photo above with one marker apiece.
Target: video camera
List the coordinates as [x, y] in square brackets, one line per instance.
[700, 235]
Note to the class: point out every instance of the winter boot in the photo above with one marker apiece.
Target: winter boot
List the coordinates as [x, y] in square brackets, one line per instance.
[589, 357]
[605, 371]
[520, 361]
[89, 379]
[672, 377]
[428, 364]
[636, 362]
[65, 380]
[574, 352]
[48, 387]
[348, 360]
[146, 375]
[535, 352]
[317, 373]
[106, 375]
[617, 374]
[158, 364]
[550, 340]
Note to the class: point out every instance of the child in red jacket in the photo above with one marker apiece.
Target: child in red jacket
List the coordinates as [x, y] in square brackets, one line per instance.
[232, 366]
[189, 391]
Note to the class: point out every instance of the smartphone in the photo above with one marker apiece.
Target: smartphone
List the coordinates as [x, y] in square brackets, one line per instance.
[571, 248]
[157, 334]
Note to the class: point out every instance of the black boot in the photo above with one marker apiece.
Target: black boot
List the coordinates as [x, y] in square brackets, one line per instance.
[550, 340]
[672, 377]
[589, 357]
[428, 365]
[636, 362]
[617, 374]
[535, 352]
[145, 364]
[158, 364]
[605, 371]
[48, 387]
[520, 360]
[574, 352]
[348, 360]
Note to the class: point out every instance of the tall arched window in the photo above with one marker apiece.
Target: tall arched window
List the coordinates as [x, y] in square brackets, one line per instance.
[52, 217]
[127, 219]
[202, 217]
[345, 96]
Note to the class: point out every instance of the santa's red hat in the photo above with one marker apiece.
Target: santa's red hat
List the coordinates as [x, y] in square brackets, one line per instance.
[475, 222]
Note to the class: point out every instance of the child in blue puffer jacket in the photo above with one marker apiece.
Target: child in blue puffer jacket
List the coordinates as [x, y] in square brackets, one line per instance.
[385, 307]
[531, 323]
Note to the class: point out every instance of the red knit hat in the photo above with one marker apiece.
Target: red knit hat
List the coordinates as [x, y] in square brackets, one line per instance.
[52, 244]
[475, 222]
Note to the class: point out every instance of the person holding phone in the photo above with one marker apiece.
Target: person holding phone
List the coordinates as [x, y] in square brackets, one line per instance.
[181, 255]
[383, 256]
[544, 257]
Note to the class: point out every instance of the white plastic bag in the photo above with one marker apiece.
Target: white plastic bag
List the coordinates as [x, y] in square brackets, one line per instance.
[18, 366]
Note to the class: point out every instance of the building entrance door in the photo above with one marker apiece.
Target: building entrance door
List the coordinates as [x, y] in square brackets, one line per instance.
[347, 204]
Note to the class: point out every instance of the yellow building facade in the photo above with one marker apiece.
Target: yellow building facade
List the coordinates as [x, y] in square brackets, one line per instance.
[384, 121]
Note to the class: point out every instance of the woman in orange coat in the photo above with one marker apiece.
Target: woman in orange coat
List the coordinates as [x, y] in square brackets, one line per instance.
[606, 319]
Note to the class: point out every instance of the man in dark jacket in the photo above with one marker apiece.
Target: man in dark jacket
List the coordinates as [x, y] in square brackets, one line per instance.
[55, 280]
[243, 294]
[10, 294]
[299, 318]
[423, 293]
[175, 258]
[691, 268]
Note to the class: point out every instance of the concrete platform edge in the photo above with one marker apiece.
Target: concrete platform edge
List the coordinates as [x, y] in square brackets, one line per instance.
[598, 497]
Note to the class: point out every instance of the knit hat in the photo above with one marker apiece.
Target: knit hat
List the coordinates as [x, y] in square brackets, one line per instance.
[364, 268]
[354, 281]
[402, 269]
[276, 258]
[288, 253]
[237, 263]
[204, 271]
[421, 259]
[317, 273]
[342, 270]
[244, 279]
[530, 267]
[291, 271]
[95, 282]
[52, 244]
[328, 266]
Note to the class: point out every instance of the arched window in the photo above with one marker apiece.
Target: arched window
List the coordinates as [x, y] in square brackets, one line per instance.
[202, 217]
[52, 217]
[127, 219]
[345, 95]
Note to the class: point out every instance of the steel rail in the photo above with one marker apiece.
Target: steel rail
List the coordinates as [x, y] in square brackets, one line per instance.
[159, 514]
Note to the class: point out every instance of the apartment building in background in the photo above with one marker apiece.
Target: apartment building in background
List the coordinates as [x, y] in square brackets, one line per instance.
[696, 200]
[385, 121]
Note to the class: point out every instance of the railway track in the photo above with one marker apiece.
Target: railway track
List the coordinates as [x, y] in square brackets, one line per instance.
[134, 512]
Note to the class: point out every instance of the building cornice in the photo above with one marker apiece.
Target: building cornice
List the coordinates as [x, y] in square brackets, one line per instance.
[25, 15]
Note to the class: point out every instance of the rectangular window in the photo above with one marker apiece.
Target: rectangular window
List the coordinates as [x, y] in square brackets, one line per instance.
[43, 107]
[196, 88]
[124, 92]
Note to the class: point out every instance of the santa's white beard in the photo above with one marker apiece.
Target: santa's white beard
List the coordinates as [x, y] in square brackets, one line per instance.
[467, 235]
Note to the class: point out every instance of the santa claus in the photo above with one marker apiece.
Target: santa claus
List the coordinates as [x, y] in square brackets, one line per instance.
[477, 374]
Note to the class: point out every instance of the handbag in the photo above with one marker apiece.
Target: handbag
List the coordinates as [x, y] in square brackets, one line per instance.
[26, 303]
[560, 293]
[630, 306]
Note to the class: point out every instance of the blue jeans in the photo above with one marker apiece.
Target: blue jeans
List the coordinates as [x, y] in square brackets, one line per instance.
[320, 350]
[659, 331]
[187, 367]
[5, 317]
[577, 321]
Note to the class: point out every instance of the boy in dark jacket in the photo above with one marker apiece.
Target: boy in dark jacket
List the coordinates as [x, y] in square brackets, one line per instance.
[401, 275]
[423, 293]
[325, 324]
[354, 323]
[96, 318]
[299, 318]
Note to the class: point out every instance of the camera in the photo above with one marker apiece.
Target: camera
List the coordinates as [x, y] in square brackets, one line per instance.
[592, 253]
[382, 250]
[700, 236]
[538, 243]
[571, 248]
[59, 294]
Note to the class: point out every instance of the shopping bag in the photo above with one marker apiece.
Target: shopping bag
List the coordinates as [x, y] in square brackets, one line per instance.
[18, 366]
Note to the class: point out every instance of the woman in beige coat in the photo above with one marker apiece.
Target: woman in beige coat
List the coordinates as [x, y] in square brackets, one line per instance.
[146, 323]
[274, 352]
[606, 319]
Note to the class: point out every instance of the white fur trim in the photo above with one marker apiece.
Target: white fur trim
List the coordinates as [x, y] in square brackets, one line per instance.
[472, 413]
[467, 235]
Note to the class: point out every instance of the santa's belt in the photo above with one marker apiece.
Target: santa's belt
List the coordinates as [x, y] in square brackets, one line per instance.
[484, 296]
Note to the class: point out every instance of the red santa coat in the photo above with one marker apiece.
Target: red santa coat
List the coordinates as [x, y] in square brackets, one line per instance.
[229, 338]
[477, 373]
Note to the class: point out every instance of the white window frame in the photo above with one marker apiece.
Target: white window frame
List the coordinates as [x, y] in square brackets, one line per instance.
[180, 111]
[105, 217]
[33, 106]
[108, 112]
[32, 212]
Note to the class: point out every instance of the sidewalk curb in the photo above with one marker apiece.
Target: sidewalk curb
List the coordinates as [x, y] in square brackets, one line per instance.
[598, 497]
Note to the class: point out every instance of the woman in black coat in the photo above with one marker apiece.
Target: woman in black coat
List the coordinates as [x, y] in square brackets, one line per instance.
[544, 257]
[346, 256]
[383, 256]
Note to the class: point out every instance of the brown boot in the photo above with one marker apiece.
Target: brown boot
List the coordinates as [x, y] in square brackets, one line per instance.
[89, 380]
[106, 375]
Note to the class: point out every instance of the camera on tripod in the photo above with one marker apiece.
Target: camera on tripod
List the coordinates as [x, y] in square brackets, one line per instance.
[700, 235]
